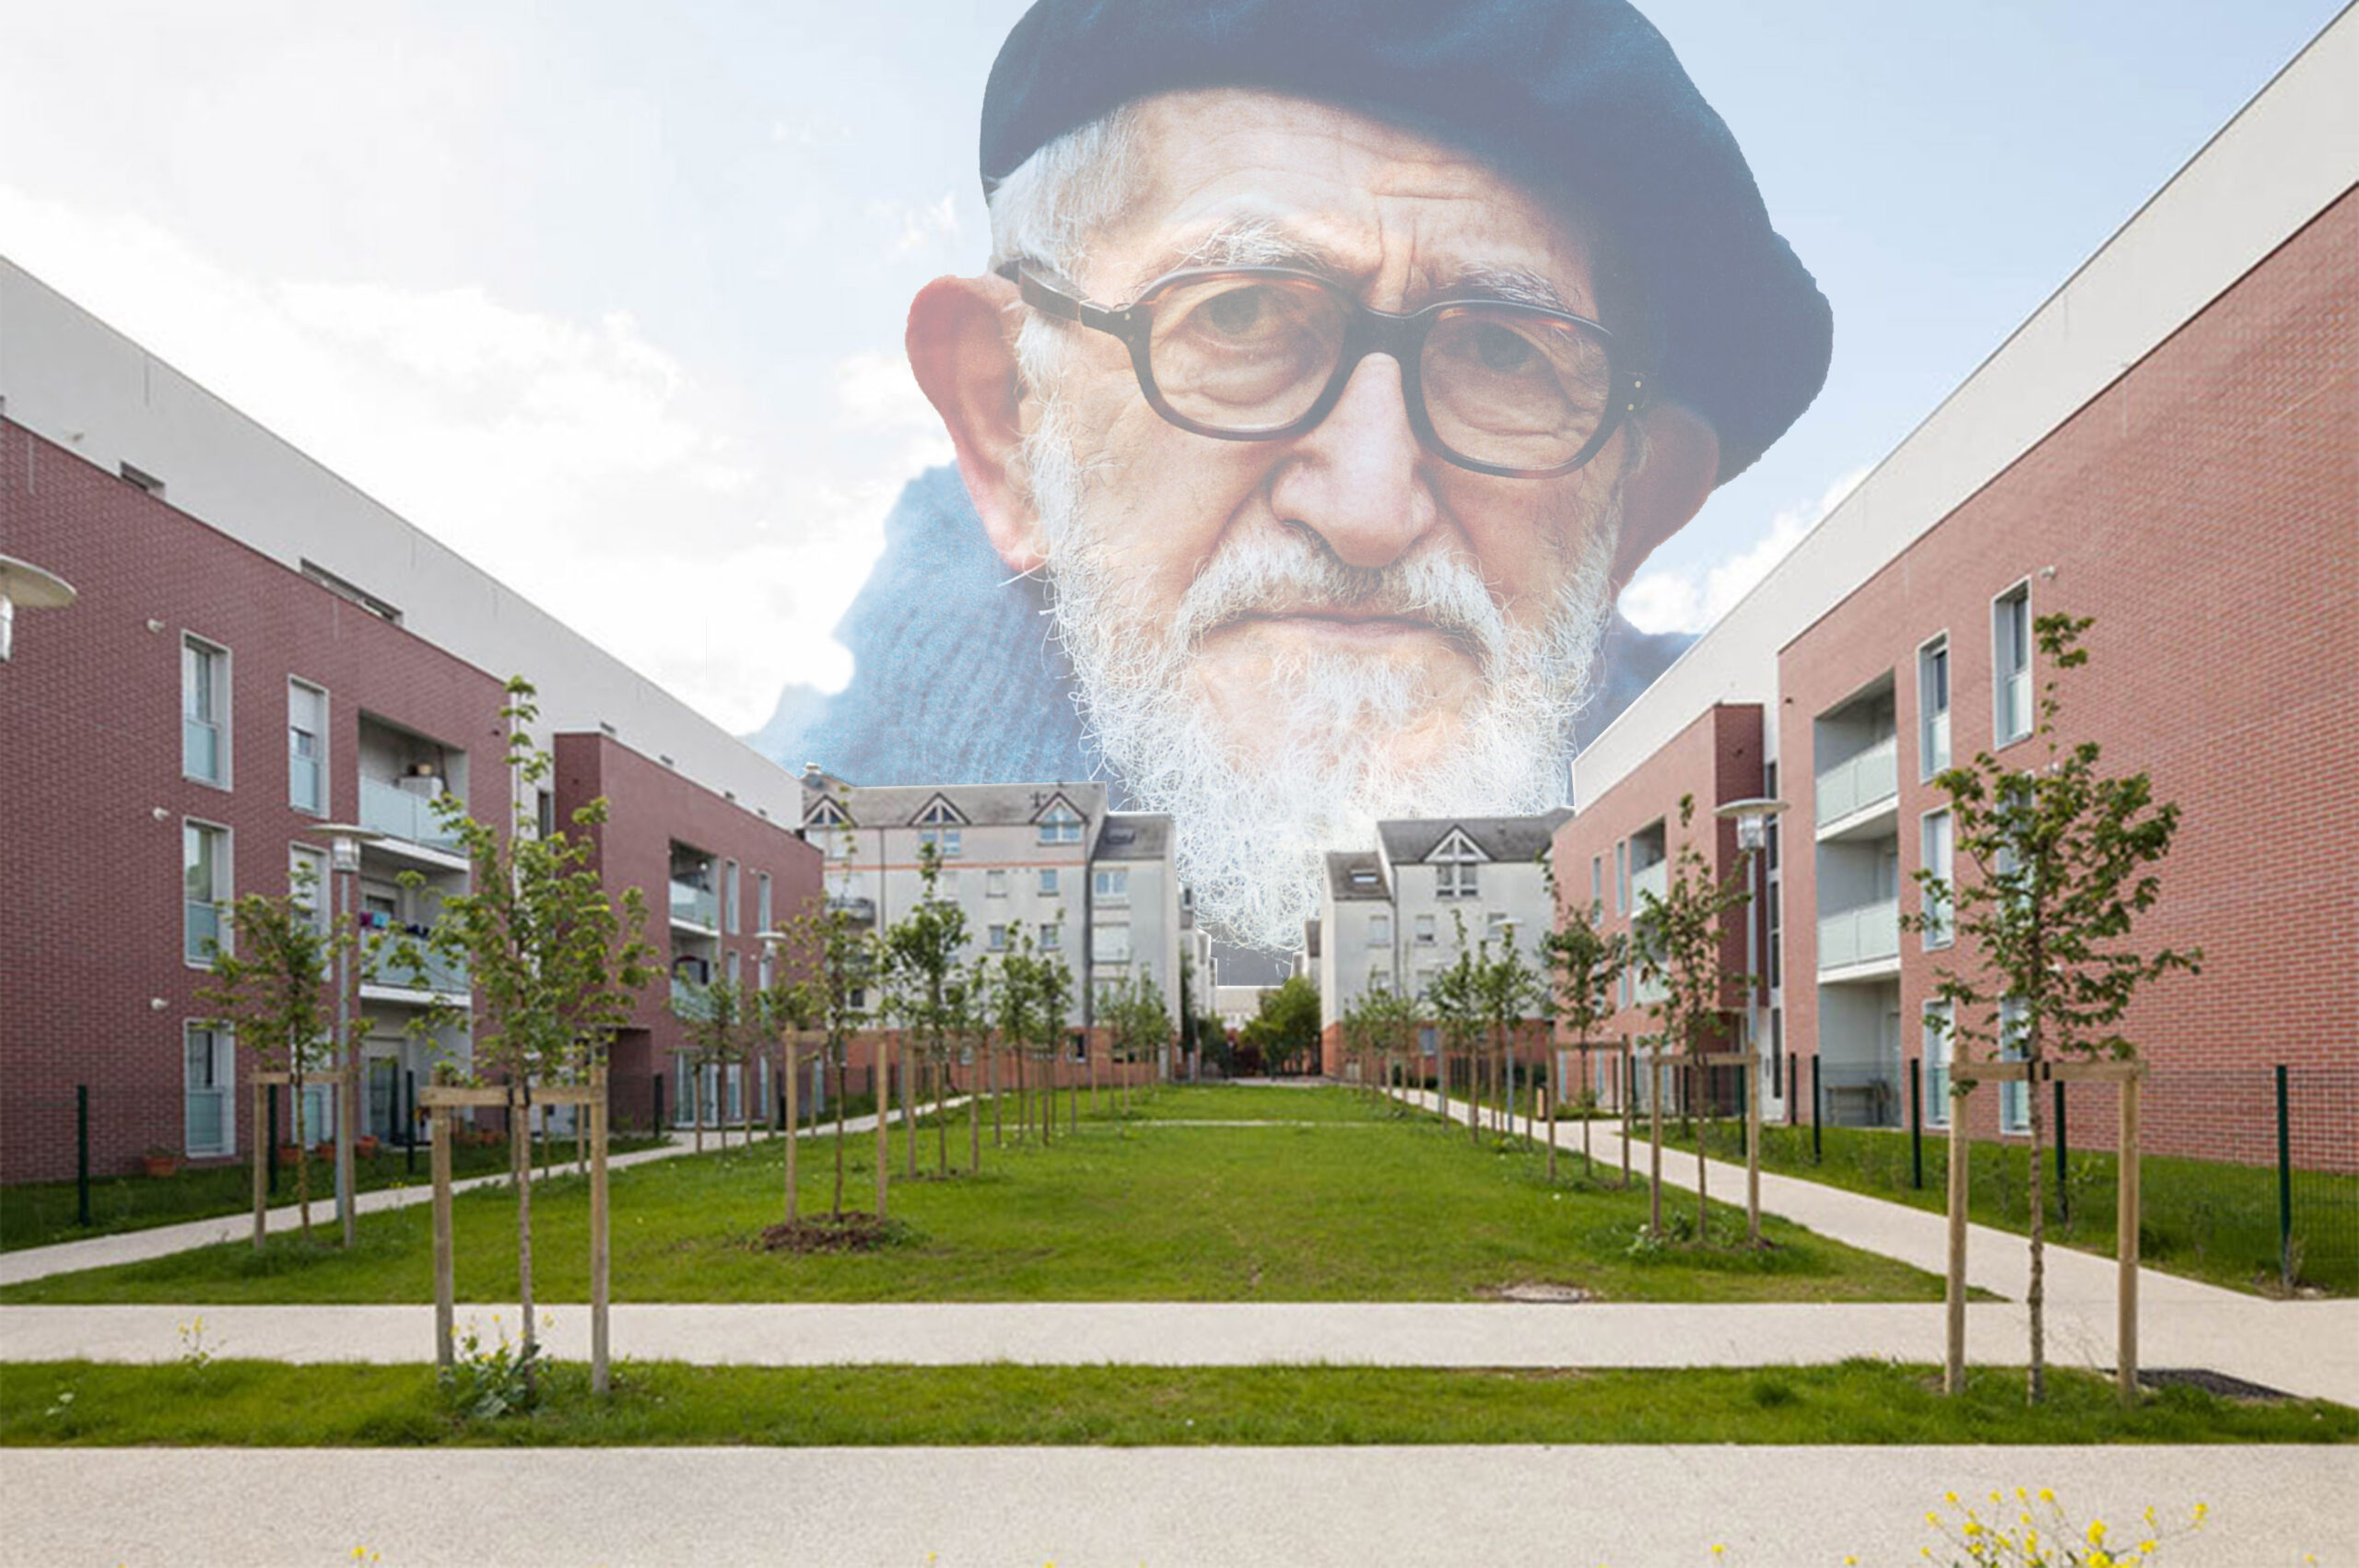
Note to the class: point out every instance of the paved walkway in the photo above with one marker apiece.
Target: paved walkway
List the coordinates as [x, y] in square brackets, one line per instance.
[162, 1241]
[1569, 1507]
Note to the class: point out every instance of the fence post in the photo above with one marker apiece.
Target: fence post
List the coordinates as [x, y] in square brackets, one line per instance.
[409, 1122]
[1916, 1123]
[1817, 1114]
[2063, 1144]
[658, 1127]
[2284, 1186]
[82, 1155]
[273, 1095]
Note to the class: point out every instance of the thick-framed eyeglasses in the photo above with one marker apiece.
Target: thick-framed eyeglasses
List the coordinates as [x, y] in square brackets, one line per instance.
[1262, 354]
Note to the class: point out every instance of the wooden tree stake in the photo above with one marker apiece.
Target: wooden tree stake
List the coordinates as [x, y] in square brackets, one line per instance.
[445, 1286]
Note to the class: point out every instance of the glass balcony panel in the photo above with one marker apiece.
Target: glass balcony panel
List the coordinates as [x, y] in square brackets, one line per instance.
[431, 972]
[201, 749]
[1654, 879]
[694, 904]
[1862, 935]
[1868, 778]
[397, 813]
[691, 1001]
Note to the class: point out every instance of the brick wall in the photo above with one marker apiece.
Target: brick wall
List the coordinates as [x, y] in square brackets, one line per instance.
[2205, 511]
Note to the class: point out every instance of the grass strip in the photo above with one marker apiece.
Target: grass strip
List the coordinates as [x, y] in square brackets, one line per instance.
[270, 1404]
[2206, 1219]
[1399, 1207]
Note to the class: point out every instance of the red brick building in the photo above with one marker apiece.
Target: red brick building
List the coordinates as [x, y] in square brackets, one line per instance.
[258, 652]
[2170, 446]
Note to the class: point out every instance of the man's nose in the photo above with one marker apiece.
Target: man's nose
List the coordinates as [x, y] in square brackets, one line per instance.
[1357, 480]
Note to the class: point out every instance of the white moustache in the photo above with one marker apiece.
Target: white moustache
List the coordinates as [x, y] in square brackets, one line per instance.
[1288, 576]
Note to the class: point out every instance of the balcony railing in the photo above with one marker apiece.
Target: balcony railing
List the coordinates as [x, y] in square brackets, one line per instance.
[695, 906]
[397, 813]
[1645, 989]
[1654, 878]
[432, 972]
[1859, 936]
[1864, 780]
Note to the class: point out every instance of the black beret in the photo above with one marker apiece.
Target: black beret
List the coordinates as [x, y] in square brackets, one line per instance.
[1579, 94]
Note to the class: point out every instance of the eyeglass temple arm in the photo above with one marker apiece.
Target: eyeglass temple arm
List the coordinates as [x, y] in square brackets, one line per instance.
[1046, 298]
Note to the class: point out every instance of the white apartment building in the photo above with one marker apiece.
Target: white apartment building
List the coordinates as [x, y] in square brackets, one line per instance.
[1050, 862]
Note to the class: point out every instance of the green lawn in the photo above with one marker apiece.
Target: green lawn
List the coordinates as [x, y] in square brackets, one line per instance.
[2205, 1219]
[40, 1213]
[1369, 1203]
[268, 1404]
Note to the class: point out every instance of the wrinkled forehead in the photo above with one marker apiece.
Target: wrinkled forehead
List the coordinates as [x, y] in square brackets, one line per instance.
[1232, 177]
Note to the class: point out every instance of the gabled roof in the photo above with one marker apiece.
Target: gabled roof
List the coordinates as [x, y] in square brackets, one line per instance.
[1503, 838]
[980, 806]
[1356, 875]
[939, 810]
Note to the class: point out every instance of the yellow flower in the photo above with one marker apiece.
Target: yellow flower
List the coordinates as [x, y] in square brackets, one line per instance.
[2047, 1494]
[2096, 1531]
[1949, 1496]
[1973, 1528]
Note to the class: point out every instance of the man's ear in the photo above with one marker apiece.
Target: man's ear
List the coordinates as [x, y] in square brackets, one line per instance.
[960, 343]
[1683, 464]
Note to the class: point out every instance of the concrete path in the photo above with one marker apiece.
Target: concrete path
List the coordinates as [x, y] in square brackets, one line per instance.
[1567, 1507]
[2308, 1347]
[162, 1241]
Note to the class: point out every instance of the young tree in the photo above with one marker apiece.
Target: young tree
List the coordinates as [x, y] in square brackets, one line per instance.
[1454, 1000]
[1508, 991]
[1582, 963]
[555, 958]
[1052, 995]
[1680, 952]
[2064, 859]
[723, 1025]
[1138, 1025]
[1285, 1028]
[271, 986]
[921, 951]
[1015, 1008]
[790, 1009]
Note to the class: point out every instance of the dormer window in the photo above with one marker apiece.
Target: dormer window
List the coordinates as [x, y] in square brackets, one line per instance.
[826, 813]
[1060, 825]
[1455, 860]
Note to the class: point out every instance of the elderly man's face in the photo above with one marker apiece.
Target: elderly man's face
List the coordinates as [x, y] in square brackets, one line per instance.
[1401, 221]
[1283, 642]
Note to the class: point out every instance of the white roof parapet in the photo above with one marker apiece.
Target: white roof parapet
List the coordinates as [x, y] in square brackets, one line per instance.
[2286, 157]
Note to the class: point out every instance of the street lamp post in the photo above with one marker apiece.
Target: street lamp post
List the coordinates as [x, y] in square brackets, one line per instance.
[1753, 818]
[344, 839]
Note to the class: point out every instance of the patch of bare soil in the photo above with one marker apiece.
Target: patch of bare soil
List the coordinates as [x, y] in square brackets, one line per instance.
[835, 1232]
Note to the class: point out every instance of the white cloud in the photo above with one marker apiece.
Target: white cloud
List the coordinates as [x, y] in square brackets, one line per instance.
[917, 228]
[565, 456]
[1689, 599]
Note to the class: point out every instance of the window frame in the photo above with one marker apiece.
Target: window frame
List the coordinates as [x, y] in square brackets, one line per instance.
[2001, 677]
[224, 884]
[996, 883]
[1051, 885]
[1937, 1078]
[220, 695]
[1931, 905]
[320, 761]
[1111, 884]
[1936, 647]
[221, 1044]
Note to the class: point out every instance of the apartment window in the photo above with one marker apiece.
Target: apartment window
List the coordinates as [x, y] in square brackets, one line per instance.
[1425, 928]
[1377, 981]
[204, 711]
[1933, 707]
[205, 877]
[1936, 1052]
[1769, 835]
[545, 814]
[1048, 882]
[729, 895]
[1111, 884]
[1053, 936]
[1455, 868]
[2014, 1099]
[1621, 876]
[208, 1074]
[1112, 942]
[1596, 881]
[1623, 981]
[945, 885]
[2011, 664]
[1060, 825]
[1498, 926]
[1777, 936]
[1935, 906]
[307, 748]
[731, 966]
[1380, 930]
[996, 939]
[994, 884]
[307, 883]
[762, 908]
[946, 841]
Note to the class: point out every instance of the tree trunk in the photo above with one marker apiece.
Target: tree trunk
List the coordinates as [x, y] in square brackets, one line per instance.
[303, 1152]
[908, 1107]
[2035, 1294]
[696, 1102]
[519, 1146]
[1023, 1105]
[794, 1135]
[1552, 1121]
[1699, 1086]
[974, 1127]
[884, 1098]
[1654, 1150]
[843, 1077]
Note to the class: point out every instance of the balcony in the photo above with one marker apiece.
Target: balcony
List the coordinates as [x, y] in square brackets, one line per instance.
[1653, 878]
[1646, 989]
[694, 905]
[1866, 779]
[397, 813]
[432, 973]
[1868, 934]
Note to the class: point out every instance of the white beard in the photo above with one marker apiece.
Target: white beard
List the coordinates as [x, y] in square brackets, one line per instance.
[1250, 836]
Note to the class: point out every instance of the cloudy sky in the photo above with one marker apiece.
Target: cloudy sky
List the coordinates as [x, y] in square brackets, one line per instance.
[609, 296]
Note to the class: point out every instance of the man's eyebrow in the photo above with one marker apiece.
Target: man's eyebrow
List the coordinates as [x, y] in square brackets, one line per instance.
[1243, 242]
[1512, 285]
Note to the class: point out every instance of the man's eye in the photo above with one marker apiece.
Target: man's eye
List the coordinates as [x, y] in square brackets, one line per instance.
[1240, 313]
[1502, 352]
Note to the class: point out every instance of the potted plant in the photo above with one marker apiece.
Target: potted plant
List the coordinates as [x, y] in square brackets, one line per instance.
[159, 1160]
[365, 1146]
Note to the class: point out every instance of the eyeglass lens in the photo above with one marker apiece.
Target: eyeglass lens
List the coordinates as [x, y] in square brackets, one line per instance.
[1246, 355]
